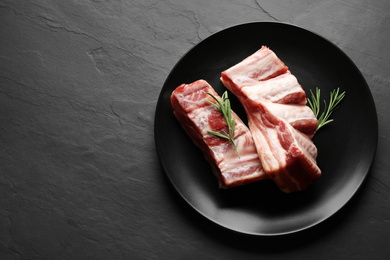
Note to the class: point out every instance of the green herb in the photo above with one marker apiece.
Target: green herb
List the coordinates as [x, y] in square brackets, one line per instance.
[314, 103]
[223, 105]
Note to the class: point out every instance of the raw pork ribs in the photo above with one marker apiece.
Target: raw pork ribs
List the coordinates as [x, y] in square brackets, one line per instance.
[280, 122]
[197, 117]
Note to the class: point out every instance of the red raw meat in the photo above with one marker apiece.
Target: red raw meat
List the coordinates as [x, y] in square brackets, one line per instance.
[197, 117]
[287, 155]
[263, 76]
[281, 124]
[300, 117]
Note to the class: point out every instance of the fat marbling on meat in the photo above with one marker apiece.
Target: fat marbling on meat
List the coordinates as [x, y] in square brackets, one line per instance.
[197, 117]
[281, 124]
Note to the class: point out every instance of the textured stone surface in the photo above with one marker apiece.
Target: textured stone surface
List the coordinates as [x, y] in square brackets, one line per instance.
[79, 173]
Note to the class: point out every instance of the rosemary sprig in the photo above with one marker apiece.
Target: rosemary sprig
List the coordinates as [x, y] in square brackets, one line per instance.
[223, 105]
[314, 103]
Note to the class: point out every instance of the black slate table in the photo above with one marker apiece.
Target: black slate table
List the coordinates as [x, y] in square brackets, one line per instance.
[80, 177]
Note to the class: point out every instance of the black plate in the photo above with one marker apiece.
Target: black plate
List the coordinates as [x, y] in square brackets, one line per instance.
[346, 147]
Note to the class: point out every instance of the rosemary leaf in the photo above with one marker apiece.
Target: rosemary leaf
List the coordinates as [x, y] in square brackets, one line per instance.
[218, 134]
[335, 98]
[224, 106]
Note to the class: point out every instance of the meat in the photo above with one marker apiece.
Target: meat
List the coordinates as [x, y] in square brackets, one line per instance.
[281, 124]
[299, 117]
[287, 155]
[282, 89]
[197, 117]
[261, 65]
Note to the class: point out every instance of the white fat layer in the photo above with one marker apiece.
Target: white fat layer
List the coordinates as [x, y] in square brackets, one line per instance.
[228, 157]
[267, 142]
[248, 70]
[290, 112]
[224, 153]
[305, 143]
[192, 101]
[200, 117]
[274, 89]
